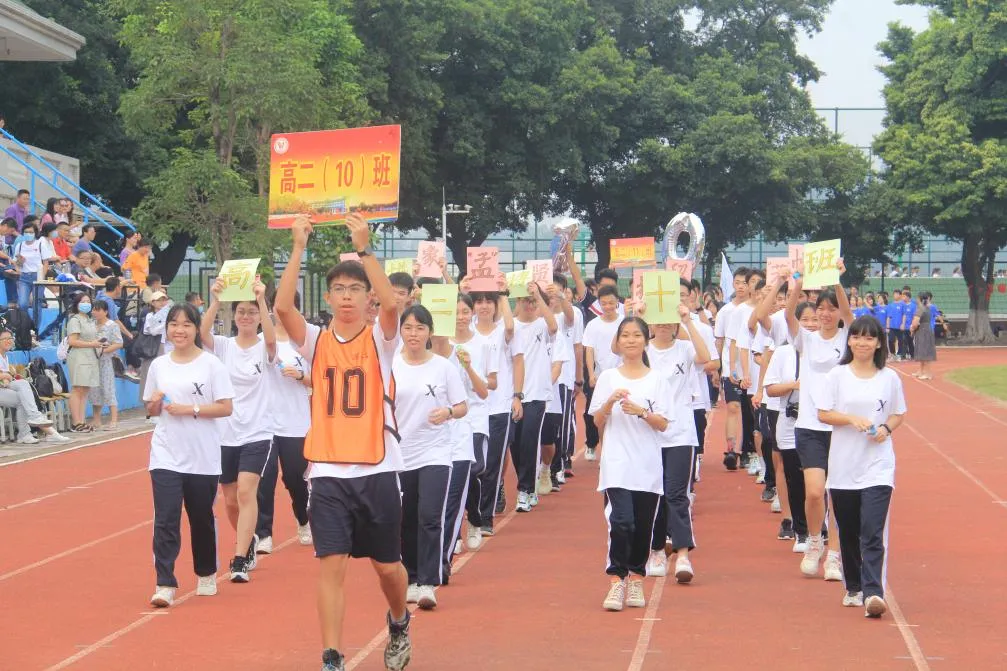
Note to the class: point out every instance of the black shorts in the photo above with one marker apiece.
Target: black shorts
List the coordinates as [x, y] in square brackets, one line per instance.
[768, 430]
[732, 392]
[813, 448]
[550, 428]
[360, 517]
[250, 458]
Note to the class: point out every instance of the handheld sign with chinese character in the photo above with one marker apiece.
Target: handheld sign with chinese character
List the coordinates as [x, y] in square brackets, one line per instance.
[541, 273]
[430, 254]
[238, 276]
[778, 269]
[796, 255]
[628, 252]
[442, 302]
[683, 267]
[661, 295]
[483, 268]
[821, 263]
[399, 266]
[332, 173]
[517, 283]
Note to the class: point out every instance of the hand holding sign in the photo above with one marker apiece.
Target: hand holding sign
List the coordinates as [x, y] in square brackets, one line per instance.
[238, 279]
[821, 263]
[778, 270]
[430, 254]
[517, 283]
[483, 266]
[541, 272]
[661, 296]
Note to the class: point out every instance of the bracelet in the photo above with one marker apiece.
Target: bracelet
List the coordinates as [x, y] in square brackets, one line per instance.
[302, 376]
[886, 428]
[578, 384]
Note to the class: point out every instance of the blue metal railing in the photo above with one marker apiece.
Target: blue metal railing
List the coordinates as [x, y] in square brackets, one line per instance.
[15, 189]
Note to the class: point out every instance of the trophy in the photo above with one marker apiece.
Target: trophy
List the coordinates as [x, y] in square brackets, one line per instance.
[566, 232]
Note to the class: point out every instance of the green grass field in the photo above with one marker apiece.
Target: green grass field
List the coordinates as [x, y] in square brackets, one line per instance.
[989, 380]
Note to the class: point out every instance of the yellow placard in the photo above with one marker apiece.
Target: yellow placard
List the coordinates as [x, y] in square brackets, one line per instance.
[661, 296]
[238, 276]
[629, 252]
[399, 266]
[517, 283]
[821, 263]
[442, 301]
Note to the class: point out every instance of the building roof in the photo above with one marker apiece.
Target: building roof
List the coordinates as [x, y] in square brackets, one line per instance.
[27, 36]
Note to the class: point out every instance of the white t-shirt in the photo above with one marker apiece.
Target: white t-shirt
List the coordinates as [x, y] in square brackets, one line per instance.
[855, 460]
[291, 400]
[818, 357]
[500, 398]
[562, 353]
[254, 387]
[738, 331]
[782, 370]
[393, 456]
[481, 356]
[780, 332]
[721, 329]
[763, 345]
[631, 450]
[701, 388]
[573, 334]
[34, 254]
[599, 335]
[677, 365]
[184, 444]
[462, 434]
[419, 390]
[536, 341]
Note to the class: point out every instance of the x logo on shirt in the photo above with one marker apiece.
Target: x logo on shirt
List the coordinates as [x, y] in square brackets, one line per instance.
[680, 367]
[430, 390]
[650, 405]
[258, 369]
[881, 405]
[198, 388]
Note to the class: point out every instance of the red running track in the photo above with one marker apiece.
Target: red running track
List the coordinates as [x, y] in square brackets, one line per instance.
[75, 574]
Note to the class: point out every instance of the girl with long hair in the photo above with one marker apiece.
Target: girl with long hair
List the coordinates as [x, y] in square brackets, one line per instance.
[922, 329]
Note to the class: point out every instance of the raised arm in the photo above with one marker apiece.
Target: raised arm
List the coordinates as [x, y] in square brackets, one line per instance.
[702, 351]
[763, 311]
[210, 316]
[360, 234]
[544, 311]
[580, 289]
[845, 311]
[794, 326]
[268, 330]
[283, 304]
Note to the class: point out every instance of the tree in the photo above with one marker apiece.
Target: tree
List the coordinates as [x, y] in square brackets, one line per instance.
[216, 79]
[945, 138]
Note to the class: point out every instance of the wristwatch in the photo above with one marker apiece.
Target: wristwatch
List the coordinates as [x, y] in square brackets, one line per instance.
[887, 428]
[195, 412]
[366, 251]
[519, 395]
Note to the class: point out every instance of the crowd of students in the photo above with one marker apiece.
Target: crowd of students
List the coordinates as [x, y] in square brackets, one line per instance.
[393, 440]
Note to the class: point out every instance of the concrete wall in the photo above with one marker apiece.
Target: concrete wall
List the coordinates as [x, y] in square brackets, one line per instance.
[21, 177]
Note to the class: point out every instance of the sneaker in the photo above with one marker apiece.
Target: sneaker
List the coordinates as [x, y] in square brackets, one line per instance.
[558, 479]
[486, 531]
[775, 506]
[768, 494]
[743, 461]
[853, 599]
[683, 570]
[474, 538]
[801, 544]
[412, 594]
[533, 499]
[54, 437]
[163, 597]
[699, 463]
[27, 439]
[812, 557]
[634, 594]
[875, 606]
[616, 597]
[265, 546]
[786, 532]
[731, 460]
[567, 472]
[501, 501]
[239, 569]
[657, 565]
[332, 661]
[399, 650]
[458, 547]
[251, 558]
[206, 585]
[544, 483]
[589, 455]
[425, 597]
[754, 465]
[523, 503]
[833, 568]
[304, 534]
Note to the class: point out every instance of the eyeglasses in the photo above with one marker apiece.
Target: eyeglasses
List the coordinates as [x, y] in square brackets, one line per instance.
[246, 313]
[353, 289]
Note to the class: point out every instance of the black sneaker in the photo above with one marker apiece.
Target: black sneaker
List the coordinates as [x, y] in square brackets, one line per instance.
[768, 494]
[251, 557]
[399, 650]
[501, 501]
[731, 460]
[786, 531]
[745, 457]
[332, 661]
[239, 569]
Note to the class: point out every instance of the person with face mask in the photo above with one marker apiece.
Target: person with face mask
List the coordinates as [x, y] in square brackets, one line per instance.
[82, 359]
[32, 256]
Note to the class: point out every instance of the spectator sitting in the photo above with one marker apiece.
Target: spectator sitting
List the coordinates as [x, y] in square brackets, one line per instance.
[8, 268]
[957, 272]
[63, 209]
[88, 234]
[104, 393]
[86, 272]
[153, 286]
[49, 217]
[936, 274]
[18, 210]
[137, 265]
[17, 394]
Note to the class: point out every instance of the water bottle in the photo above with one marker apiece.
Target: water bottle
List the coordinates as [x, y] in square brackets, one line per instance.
[872, 430]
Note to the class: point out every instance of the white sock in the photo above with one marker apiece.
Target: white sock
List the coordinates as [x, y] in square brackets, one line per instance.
[833, 554]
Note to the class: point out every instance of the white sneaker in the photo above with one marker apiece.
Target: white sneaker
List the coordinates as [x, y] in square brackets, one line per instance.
[561, 477]
[474, 538]
[616, 597]
[833, 568]
[775, 507]
[163, 597]
[53, 437]
[754, 464]
[523, 503]
[304, 535]
[683, 570]
[634, 594]
[657, 565]
[458, 547]
[152, 420]
[589, 455]
[265, 546]
[425, 597]
[801, 544]
[812, 557]
[853, 599]
[760, 476]
[876, 606]
[412, 594]
[533, 499]
[207, 585]
[544, 482]
[27, 439]
[699, 463]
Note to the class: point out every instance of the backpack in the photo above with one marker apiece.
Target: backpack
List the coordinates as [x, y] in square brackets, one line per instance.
[39, 380]
[60, 375]
[21, 325]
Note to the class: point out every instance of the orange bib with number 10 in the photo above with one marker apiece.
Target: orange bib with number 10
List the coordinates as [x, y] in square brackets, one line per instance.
[348, 402]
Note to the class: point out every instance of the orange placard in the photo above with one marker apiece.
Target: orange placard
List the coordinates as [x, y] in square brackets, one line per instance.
[683, 267]
[779, 269]
[628, 252]
[332, 173]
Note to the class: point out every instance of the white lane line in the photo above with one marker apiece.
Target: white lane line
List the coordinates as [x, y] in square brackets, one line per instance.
[70, 488]
[915, 651]
[647, 628]
[74, 448]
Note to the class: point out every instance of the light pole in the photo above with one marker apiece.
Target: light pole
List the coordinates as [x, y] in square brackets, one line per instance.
[450, 208]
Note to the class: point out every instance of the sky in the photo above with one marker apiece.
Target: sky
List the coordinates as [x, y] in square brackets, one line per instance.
[846, 53]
